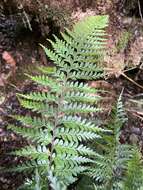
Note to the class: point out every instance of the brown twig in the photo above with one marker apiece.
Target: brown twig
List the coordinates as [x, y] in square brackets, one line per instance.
[140, 12]
[131, 80]
[136, 113]
[124, 75]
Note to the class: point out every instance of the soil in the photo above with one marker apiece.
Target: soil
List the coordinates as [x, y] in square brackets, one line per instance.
[20, 53]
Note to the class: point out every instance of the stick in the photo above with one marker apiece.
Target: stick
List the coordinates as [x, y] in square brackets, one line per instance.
[140, 12]
[123, 74]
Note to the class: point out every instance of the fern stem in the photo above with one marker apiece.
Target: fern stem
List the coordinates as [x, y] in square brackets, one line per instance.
[52, 142]
[60, 105]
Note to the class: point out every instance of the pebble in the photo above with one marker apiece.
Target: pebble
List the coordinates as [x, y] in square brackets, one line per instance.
[133, 139]
[142, 135]
[136, 130]
[127, 20]
[2, 98]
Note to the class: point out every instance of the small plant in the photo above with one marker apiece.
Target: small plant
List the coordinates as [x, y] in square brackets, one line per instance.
[59, 133]
[113, 156]
[117, 166]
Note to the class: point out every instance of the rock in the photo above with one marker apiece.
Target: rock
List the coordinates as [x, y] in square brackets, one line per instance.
[2, 97]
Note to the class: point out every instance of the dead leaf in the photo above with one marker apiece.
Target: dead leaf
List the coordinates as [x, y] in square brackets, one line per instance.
[2, 80]
[9, 59]
[100, 84]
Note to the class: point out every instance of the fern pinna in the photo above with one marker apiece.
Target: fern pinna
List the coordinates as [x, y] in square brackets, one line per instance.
[59, 133]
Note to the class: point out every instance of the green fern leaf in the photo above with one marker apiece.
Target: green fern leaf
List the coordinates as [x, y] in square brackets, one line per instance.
[59, 132]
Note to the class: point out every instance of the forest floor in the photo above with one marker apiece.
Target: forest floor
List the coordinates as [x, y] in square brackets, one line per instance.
[123, 63]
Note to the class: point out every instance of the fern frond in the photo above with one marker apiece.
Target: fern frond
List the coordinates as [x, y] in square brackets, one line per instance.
[38, 96]
[63, 49]
[92, 24]
[86, 75]
[120, 110]
[75, 134]
[55, 183]
[34, 153]
[83, 124]
[134, 175]
[84, 66]
[34, 135]
[74, 108]
[34, 122]
[72, 148]
[54, 57]
[109, 167]
[81, 97]
[46, 81]
[71, 160]
[36, 183]
[30, 166]
[38, 107]
[80, 87]
[63, 125]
